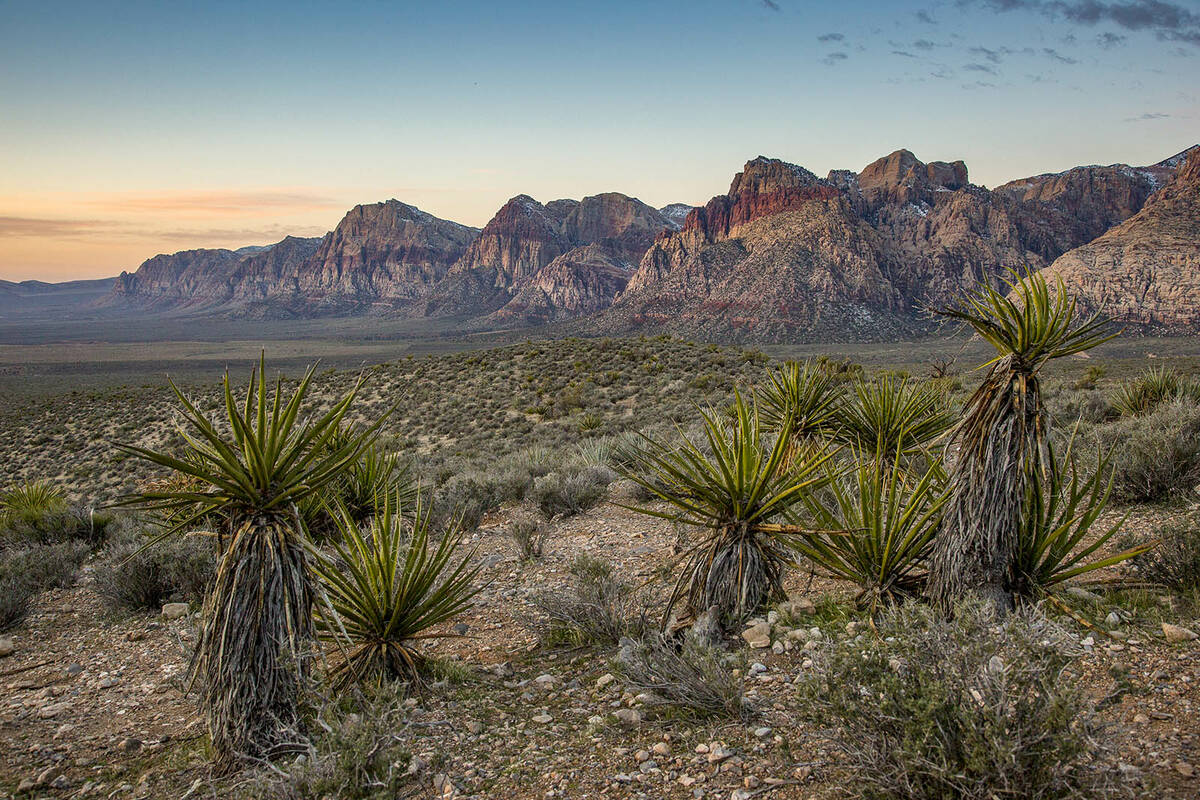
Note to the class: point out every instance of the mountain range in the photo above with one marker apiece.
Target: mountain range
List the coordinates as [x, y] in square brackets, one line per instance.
[783, 255]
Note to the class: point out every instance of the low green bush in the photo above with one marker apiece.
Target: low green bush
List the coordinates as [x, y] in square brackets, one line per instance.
[1156, 455]
[972, 709]
[137, 577]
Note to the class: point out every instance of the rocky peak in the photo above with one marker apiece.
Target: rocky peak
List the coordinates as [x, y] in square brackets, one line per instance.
[764, 175]
[902, 177]
[676, 213]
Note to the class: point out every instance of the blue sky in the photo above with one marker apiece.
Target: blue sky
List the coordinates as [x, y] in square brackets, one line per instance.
[139, 128]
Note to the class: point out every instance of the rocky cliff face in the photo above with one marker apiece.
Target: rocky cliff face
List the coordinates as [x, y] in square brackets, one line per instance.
[1145, 271]
[525, 237]
[786, 254]
[187, 279]
[580, 281]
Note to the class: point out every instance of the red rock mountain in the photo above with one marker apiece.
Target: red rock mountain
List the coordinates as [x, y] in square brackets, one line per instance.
[782, 255]
[1146, 271]
[785, 254]
[593, 244]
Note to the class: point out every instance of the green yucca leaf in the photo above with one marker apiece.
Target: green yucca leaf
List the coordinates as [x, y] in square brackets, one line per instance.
[269, 461]
[32, 498]
[729, 487]
[886, 519]
[1040, 327]
[1056, 541]
[802, 394]
[387, 589]
[893, 416]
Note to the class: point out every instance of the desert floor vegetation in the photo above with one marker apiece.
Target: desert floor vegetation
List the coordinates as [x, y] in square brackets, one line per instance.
[615, 567]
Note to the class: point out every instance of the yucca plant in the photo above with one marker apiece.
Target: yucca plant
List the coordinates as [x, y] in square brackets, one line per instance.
[255, 637]
[1003, 437]
[892, 416]
[731, 490]
[1147, 391]
[31, 500]
[875, 526]
[802, 394]
[388, 588]
[360, 489]
[1054, 543]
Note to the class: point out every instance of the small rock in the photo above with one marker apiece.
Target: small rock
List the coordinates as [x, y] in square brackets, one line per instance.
[1141, 719]
[175, 610]
[1174, 633]
[641, 755]
[546, 679]
[542, 719]
[108, 683]
[758, 636]
[1185, 769]
[1079, 593]
[762, 733]
[6, 647]
[73, 669]
[130, 745]
[461, 628]
[662, 749]
[718, 754]
[1113, 619]
[475, 727]
[628, 716]
[604, 680]
[797, 606]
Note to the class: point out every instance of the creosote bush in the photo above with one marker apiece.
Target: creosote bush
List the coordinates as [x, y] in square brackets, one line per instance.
[26, 571]
[1156, 456]
[595, 607]
[976, 708]
[694, 678]
[136, 577]
[1175, 561]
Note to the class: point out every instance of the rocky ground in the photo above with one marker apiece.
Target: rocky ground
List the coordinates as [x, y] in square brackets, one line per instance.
[93, 705]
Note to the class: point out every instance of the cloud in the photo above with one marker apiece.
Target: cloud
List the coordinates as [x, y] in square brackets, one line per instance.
[925, 17]
[215, 203]
[1148, 116]
[1167, 21]
[924, 44]
[1059, 57]
[831, 37]
[771, 4]
[994, 56]
[50, 228]
[834, 58]
[904, 53]
[1109, 40]
[980, 68]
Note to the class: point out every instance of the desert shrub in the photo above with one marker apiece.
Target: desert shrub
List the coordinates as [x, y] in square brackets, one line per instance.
[1086, 405]
[1088, 380]
[356, 751]
[1175, 561]
[1156, 455]
[36, 513]
[974, 708]
[695, 678]
[528, 536]
[16, 595]
[26, 571]
[138, 577]
[570, 491]
[594, 607]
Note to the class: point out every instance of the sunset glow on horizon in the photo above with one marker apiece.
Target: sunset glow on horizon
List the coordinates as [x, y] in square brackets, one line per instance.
[149, 128]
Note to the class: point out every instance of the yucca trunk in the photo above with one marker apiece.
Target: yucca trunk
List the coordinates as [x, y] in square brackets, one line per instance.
[1002, 447]
[254, 648]
[734, 574]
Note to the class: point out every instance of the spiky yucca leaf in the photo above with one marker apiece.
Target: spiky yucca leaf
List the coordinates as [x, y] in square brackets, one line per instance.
[388, 589]
[254, 645]
[803, 394]
[32, 499]
[893, 416]
[889, 519]
[729, 491]
[1059, 518]
[1155, 386]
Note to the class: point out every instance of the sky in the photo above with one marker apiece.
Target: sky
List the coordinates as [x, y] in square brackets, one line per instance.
[130, 129]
